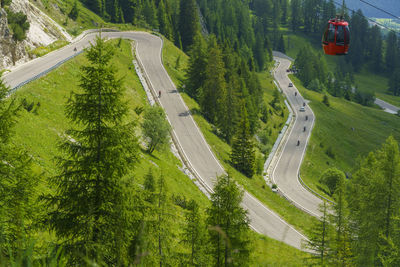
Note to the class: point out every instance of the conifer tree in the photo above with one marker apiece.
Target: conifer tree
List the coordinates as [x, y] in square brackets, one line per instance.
[188, 22]
[228, 225]
[340, 243]
[243, 154]
[194, 236]
[87, 210]
[213, 91]
[17, 184]
[164, 21]
[195, 74]
[319, 238]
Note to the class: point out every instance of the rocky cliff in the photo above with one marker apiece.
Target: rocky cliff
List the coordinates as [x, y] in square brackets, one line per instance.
[42, 32]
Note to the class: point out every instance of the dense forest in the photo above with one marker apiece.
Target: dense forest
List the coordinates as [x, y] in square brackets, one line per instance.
[99, 215]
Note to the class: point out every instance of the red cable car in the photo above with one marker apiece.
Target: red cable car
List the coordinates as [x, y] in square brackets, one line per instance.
[336, 38]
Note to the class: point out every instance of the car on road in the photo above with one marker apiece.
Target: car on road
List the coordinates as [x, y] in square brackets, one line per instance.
[302, 109]
[290, 84]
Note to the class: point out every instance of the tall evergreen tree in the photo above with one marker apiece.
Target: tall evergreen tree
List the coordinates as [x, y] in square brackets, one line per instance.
[392, 51]
[188, 22]
[228, 225]
[296, 15]
[87, 210]
[196, 74]
[319, 238]
[213, 91]
[243, 154]
[194, 235]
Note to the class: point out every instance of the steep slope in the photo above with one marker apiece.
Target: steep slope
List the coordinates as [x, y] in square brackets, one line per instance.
[42, 32]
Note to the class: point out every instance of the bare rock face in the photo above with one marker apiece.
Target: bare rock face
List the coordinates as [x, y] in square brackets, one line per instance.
[42, 32]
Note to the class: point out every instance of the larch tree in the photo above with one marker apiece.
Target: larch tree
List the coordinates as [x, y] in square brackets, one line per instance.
[319, 238]
[17, 184]
[87, 209]
[213, 92]
[243, 153]
[195, 74]
[194, 236]
[155, 128]
[229, 243]
[188, 22]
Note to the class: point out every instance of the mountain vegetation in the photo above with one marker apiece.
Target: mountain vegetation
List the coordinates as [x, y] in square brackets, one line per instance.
[94, 211]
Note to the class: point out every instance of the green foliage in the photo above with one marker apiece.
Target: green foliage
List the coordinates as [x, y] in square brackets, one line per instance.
[228, 225]
[374, 204]
[325, 100]
[4, 3]
[155, 128]
[89, 207]
[243, 155]
[319, 239]
[19, 24]
[73, 14]
[188, 22]
[331, 178]
[195, 236]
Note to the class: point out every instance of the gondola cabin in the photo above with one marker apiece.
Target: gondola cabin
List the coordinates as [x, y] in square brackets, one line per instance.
[336, 38]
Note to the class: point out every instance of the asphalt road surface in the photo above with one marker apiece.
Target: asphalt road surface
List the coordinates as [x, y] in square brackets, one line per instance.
[386, 106]
[188, 134]
[285, 173]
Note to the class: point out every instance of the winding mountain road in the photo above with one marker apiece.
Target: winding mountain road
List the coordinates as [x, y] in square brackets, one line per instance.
[188, 135]
[285, 173]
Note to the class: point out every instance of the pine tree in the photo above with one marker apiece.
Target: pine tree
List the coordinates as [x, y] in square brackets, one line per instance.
[391, 51]
[195, 74]
[296, 15]
[164, 21]
[243, 154]
[214, 89]
[73, 14]
[319, 238]
[87, 210]
[188, 22]
[340, 243]
[228, 225]
[194, 236]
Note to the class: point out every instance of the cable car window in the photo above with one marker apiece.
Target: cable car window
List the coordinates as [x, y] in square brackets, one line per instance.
[331, 33]
[340, 35]
[325, 37]
[347, 31]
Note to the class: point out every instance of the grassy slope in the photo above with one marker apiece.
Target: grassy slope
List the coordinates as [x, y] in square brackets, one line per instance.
[333, 128]
[256, 185]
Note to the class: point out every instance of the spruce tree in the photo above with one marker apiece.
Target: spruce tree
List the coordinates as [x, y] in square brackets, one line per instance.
[87, 210]
[194, 236]
[195, 74]
[213, 92]
[188, 22]
[243, 154]
[319, 238]
[229, 243]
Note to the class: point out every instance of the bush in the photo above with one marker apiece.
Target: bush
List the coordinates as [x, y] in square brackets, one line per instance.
[18, 24]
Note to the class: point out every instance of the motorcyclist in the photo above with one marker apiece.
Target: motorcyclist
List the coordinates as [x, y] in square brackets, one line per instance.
[298, 142]
[304, 129]
[306, 117]
[295, 93]
[159, 94]
[75, 49]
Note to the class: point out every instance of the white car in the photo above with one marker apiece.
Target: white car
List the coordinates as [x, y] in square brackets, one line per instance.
[302, 109]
